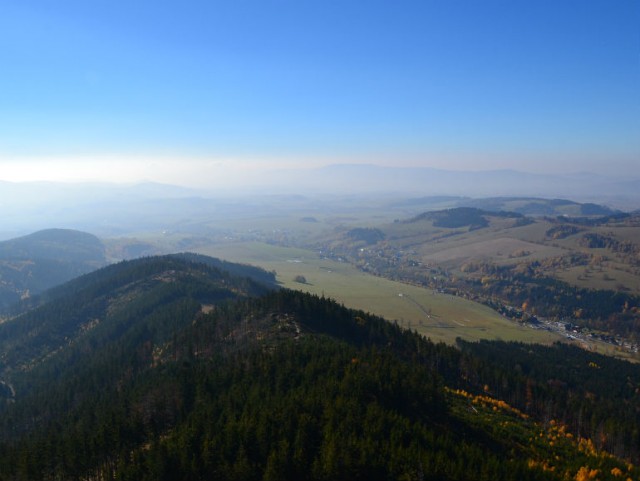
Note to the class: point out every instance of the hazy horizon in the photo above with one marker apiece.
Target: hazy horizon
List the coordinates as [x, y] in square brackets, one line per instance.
[209, 94]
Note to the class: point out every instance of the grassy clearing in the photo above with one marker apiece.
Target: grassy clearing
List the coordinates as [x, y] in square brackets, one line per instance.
[438, 316]
[499, 243]
[610, 277]
[499, 250]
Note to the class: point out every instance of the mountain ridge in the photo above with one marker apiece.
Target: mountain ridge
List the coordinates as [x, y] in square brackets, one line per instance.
[174, 369]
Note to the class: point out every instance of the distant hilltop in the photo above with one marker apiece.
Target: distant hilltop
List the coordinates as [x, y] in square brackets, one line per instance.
[529, 206]
[38, 261]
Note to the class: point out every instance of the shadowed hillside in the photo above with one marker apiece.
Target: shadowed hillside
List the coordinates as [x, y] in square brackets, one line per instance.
[33, 263]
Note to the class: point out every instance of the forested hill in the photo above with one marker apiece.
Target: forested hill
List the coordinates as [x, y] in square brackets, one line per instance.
[138, 269]
[106, 303]
[58, 244]
[170, 368]
[36, 262]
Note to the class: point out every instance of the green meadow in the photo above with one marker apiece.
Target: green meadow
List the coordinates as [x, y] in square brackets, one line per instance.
[438, 316]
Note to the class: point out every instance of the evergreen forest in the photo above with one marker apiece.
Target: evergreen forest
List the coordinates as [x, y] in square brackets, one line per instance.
[183, 367]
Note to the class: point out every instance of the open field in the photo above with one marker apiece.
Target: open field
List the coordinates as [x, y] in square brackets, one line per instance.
[496, 242]
[589, 256]
[478, 252]
[499, 249]
[610, 276]
[438, 316]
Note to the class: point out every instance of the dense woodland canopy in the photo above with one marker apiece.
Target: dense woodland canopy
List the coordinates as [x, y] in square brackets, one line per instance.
[172, 368]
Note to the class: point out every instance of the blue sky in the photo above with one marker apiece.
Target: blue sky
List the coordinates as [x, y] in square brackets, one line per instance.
[541, 86]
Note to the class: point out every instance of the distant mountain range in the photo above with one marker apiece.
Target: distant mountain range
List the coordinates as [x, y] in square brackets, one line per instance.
[112, 209]
[359, 178]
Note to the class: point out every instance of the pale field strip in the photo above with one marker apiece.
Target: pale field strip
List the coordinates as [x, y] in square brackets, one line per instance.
[501, 248]
[432, 314]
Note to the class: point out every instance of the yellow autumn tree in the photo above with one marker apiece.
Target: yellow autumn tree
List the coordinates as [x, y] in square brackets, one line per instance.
[586, 474]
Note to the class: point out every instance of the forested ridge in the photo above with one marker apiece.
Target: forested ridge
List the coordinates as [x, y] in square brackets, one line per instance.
[171, 368]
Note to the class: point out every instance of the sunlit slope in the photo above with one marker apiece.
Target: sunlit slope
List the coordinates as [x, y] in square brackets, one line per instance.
[589, 253]
[439, 316]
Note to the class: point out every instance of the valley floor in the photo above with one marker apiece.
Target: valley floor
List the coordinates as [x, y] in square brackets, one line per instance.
[441, 317]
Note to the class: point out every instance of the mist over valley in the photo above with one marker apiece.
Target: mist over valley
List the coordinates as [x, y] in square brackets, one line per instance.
[285, 240]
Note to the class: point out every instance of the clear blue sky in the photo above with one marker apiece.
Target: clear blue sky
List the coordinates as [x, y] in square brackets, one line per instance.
[533, 85]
